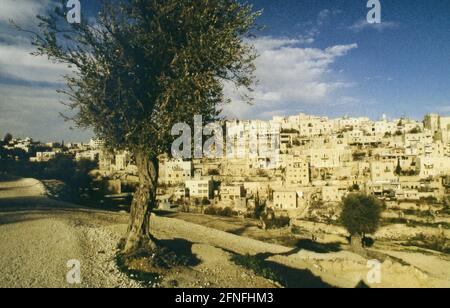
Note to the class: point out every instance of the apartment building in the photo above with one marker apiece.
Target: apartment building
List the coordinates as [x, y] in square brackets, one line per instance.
[383, 171]
[285, 200]
[43, 157]
[232, 192]
[175, 172]
[433, 166]
[297, 171]
[200, 189]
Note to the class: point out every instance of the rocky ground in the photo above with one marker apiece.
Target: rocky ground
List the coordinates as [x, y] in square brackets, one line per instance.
[40, 235]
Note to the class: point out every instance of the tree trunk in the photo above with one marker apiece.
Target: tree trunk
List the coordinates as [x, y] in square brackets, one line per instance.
[144, 202]
[356, 243]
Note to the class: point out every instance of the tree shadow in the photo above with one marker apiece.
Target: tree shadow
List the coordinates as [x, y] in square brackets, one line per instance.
[9, 219]
[183, 249]
[7, 177]
[34, 203]
[287, 276]
[296, 278]
[368, 242]
[309, 245]
[240, 231]
[362, 285]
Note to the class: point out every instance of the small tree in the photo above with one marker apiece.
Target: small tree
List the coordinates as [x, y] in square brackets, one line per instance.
[205, 202]
[399, 170]
[7, 139]
[145, 65]
[361, 215]
[355, 187]
[213, 172]
[260, 207]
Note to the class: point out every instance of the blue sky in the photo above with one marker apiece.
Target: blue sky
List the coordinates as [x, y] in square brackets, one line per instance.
[317, 56]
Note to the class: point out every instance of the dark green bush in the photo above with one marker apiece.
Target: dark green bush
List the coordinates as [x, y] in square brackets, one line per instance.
[361, 214]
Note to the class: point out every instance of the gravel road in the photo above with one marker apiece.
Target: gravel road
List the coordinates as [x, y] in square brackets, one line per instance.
[39, 236]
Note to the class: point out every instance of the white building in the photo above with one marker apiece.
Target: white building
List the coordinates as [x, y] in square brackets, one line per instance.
[200, 189]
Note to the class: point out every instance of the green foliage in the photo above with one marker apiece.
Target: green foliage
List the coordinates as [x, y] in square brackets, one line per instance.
[415, 130]
[361, 214]
[74, 175]
[62, 168]
[359, 156]
[7, 139]
[355, 187]
[257, 266]
[205, 201]
[437, 243]
[260, 207]
[398, 170]
[216, 211]
[143, 66]
[262, 173]
[278, 222]
[429, 200]
[446, 208]
[213, 172]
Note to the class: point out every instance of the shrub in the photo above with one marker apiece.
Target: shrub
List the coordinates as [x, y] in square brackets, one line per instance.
[205, 201]
[257, 266]
[359, 156]
[278, 222]
[436, 243]
[355, 187]
[361, 214]
[415, 130]
[225, 212]
[429, 200]
[213, 172]
[446, 208]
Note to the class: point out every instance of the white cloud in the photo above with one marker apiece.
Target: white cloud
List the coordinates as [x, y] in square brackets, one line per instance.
[18, 63]
[34, 112]
[326, 15]
[21, 11]
[313, 27]
[28, 110]
[290, 76]
[15, 48]
[346, 101]
[443, 109]
[362, 25]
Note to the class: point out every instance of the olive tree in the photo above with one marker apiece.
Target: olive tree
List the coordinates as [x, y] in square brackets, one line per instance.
[360, 215]
[143, 66]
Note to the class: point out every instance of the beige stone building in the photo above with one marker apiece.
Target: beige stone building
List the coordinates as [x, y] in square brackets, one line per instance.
[297, 172]
[285, 200]
[260, 189]
[232, 192]
[43, 157]
[333, 193]
[325, 157]
[433, 166]
[175, 172]
[200, 189]
[383, 171]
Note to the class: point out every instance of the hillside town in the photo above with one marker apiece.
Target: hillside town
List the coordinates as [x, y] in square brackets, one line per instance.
[319, 161]
[226, 144]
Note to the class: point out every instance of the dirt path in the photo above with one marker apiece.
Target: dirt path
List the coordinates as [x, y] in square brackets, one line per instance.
[39, 236]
